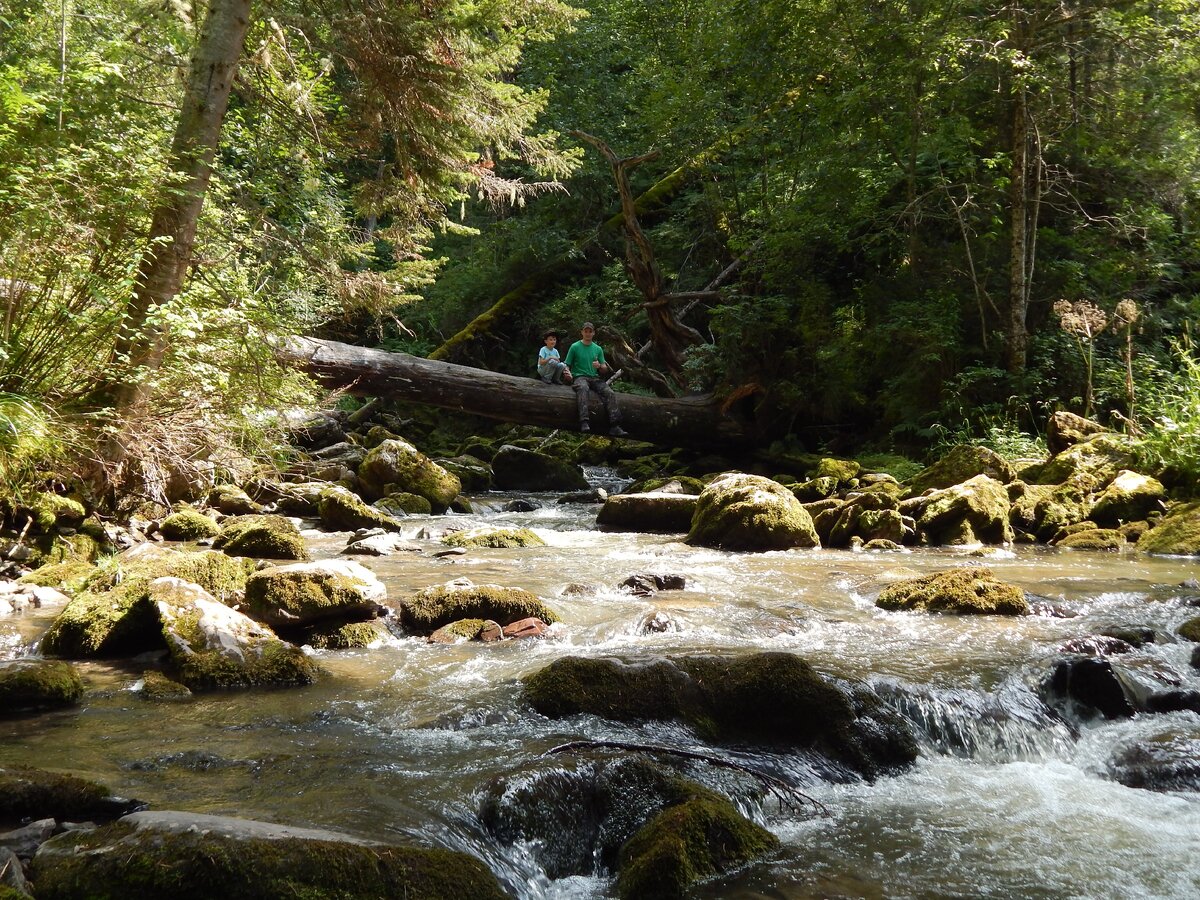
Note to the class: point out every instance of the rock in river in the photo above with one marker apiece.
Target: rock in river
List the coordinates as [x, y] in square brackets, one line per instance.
[967, 591]
[749, 512]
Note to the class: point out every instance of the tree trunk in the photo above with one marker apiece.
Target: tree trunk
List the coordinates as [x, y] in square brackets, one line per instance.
[141, 344]
[1018, 260]
[697, 421]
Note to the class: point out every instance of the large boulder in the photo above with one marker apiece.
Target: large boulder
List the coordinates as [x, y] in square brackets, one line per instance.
[261, 537]
[1094, 462]
[1094, 539]
[1127, 498]
[960, 464]
[190, 856]
[1164, 762]
[396, 465]
[767, 699]
[233, 501]
[1065, 429]
[110, 616]
[303, 594]
[430, 609]
[214, 647]
[343, 510]
[493, 538]
[749, 512]
[1038, 511]
[474, 474]
[869, 516]
[517, 469]
[967, 591]
[33, 683]
[656, 511]
[1178, 534]
[188, 525]
[28, 793]
[975, 511]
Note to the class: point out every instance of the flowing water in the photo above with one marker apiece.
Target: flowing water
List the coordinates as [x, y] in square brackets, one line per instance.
[400, 742]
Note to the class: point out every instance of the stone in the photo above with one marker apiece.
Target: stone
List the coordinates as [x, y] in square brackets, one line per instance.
[517, 469]
[297, 499]
[774, 700]
[974, 511]
[491, 632]
[843, 471]
[521, 505]
[402, 503]
[24, 841]
[965, 591]
[1096, 645]
[32, 683]
[344, 454]
[261, 537]
[592, 495]
[319, 430]
[29, 793]
[347, 636]
[1128, 497]
[158, 688]
[882, 544]
[343, 510]
[1164, 762]
[493, 538]
[303, 594]
[815, 489]
[530, 627]
[962, 463]
[657, 622]
[748, 512]
[654, 512]
[50, 510]
[473, 474]
[680, 484]
[1094, 539]
[381, 545]
[458, 632]
[644, 585]
[1177, 534]
[1190, 630]
[1065, 429]
[188, 525]
[396, 465]
[187, 856]
[213, 647]
[1095, 461]
[1091, 686]
[430, 609]
[233, 501]
[13, 885]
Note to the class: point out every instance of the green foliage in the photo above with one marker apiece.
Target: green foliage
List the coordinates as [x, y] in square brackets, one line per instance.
[1171, 442]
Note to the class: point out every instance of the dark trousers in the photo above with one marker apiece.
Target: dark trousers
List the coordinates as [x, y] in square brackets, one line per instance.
[583, 385]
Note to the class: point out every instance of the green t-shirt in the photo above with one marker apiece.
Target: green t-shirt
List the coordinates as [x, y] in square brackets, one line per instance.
[581, 356]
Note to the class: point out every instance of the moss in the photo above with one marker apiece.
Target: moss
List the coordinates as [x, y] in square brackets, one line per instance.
[158, 688]
[48, 510]
[517, 469]
[29, 793]
[261, 537]
[843, 471]
[188, 525]
[404, 503]
[70, 574]
[462, 630]
[118, 862]
[1128, 497]
[495, 539]
[1190, 630]
[1096, 460]
[349, 636]
[694, 840]
[11, 893]
[303, 594]
[276, 664]
[399, 463]
[342, 510]
[747, 512]
[434, 607]
[975, 510]
[962, 463]
[690, 486]
[963, 591]
[814, 489]
[1094, 539]
[27, 684]
[1178, 534]
[233, 501]
[659, 513]
[472, 474]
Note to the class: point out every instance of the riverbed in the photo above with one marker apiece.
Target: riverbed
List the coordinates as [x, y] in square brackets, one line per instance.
[401, 741]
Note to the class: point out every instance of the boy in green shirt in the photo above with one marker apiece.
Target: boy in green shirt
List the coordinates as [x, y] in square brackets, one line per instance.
[585, 361]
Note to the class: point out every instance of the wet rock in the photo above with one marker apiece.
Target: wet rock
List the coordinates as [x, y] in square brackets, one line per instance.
[396, 465]
[302, 594]
[402, 503]
[748, 512]
[13, 885]
[521, 505]
[1094, 539]
[768, 699]
[343, 510]
[1092, 685]
[384, 544]
[491, 632]
[517, 469]
[1096, 645]
[494, 538]
[458, 632]
[1128, 497]
[1135, 636]
[965, 591]
[963, 463]
[184, 855]
[233, 501]
[526, 628]
[261, 537]
[430, 609]
[445, 554]
[882, 544]
[28, 793]
[867, 516]
[974, 511]
[1167, 762]
[655, 512]
[35, 684]
[1196, 658]
[213, 647]
[188, 525]
[577, 589]
[657, 622]
[347, 636]
[1190, 630]
[158, 688]
[1177, 534]
[594, 495]
[646, 584]
[475, 475]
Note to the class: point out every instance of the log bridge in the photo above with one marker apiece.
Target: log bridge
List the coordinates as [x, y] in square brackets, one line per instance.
[696, 421]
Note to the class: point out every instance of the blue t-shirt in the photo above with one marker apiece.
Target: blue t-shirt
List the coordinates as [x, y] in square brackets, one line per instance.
[544, 355]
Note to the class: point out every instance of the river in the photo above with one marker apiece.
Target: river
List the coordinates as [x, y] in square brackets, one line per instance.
[400, 742]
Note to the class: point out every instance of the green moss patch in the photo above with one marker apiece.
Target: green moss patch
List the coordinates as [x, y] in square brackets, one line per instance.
[1178, 534]
[747, 512]
[1094, 539]
[342, 510]
[29, 793]
[1190, 630]
[396, 465]
[494, 539]
[966, 591]
[302, 594]
[188, 525]
[28, 684]
[261, 537]
[430, 609]
[350, 636]
[158, 688]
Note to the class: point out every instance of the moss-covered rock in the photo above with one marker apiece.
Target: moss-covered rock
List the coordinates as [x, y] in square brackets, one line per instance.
[649, 512]
[187, 856]
[403, 503]
[473, 474]
[458, 632]
[110, 617]
[768, 699]
[158, 688]
[516, 469]
[748, 512]
[701, 837]
[494, 538]
[51, 510]
[348, 636]
[188, 525]
[303, 594]
[844, 471]
[680, 484]
[213, 647]
[868, 516]
[974, 511]
[1190, 630]
[962, 463]
[1095, 461]
[1094, 539]
[31, 683]
[1065, 429]
[29, 793]
[1177, 534]
[343, 510]
[233, 501]
[396, 465]
[261, 537]
[70, 575]
[302, 499]
[430, 609]
[966, 591]
[814, 489]
[1128, 497]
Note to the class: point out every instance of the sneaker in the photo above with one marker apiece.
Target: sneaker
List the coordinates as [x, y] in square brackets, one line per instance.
[585, 427]
[618, 431]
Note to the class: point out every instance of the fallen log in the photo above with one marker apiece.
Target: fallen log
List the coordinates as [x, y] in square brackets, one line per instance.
[696, 421]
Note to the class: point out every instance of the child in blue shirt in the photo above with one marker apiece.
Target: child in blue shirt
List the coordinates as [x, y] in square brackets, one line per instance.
[550, 368]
